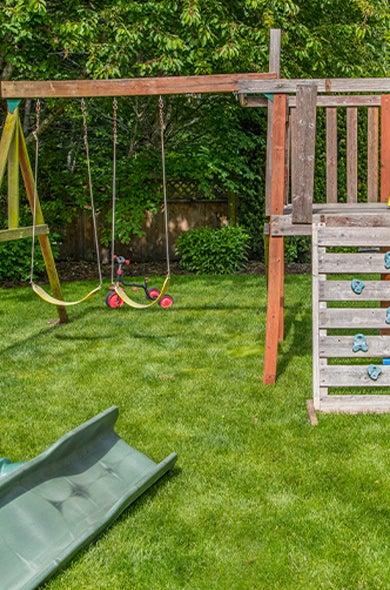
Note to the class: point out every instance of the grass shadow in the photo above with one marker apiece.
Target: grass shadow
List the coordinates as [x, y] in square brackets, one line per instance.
[298, 337]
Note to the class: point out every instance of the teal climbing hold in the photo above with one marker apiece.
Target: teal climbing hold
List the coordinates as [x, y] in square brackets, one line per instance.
[357, 286]
[359, 343]
[374, 372]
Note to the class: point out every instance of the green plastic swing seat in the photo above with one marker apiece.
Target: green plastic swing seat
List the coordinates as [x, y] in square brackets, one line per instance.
[57, 503]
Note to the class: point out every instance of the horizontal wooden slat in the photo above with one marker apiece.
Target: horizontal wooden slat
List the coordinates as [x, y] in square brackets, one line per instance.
[342, 101]
[351, 263]
[17, 233]
[341, 347]
[352, 376]
[342, 291]
[353, 236]
[355, 404]
[335, 215]
[353, 318]
[280, 86]
[127, 87]
[252, 100]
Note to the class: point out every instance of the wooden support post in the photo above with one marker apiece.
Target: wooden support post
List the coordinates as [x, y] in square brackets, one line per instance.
[274, 66]
[275, 302]
[304, 151]
[385, 148]
[44, 241]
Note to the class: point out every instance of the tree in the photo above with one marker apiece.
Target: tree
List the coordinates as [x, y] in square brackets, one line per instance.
[214, 140]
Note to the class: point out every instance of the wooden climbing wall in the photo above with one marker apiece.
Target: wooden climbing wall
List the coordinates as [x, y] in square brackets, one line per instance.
[351, 314]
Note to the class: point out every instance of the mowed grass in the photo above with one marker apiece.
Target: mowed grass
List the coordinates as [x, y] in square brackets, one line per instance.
[259, 499]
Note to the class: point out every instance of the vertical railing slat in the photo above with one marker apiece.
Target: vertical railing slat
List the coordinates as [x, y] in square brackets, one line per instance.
[331, 155]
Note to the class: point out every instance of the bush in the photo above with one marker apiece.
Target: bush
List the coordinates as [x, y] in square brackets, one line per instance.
[209, 251]
[15, 259]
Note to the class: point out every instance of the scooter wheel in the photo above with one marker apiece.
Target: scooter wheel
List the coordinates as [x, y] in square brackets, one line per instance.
[152, 293]
[113, 300]
[166, 301]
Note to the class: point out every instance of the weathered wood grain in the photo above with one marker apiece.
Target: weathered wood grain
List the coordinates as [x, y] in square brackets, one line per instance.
[351, 263]
[372, 154]
[353, 236]
[353, 318]
[302, 180]
[342, 291]
[352, 154]
[341, 347]
[331, 155]
[212, 83]
[323, 84]
[353, 376]
[355, 404]
[23, 232]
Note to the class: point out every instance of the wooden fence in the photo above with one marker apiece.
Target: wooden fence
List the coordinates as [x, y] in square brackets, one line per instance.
[184, 214]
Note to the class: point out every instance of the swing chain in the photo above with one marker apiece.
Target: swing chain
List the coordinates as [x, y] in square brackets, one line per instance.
[85, 127]
[91, 197]
[37, 119]
[164, 181]
[35, 191]
[114, 142]
[115, 120]
[161, 107]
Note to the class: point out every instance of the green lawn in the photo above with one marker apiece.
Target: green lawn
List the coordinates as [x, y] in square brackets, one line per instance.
[259, 499]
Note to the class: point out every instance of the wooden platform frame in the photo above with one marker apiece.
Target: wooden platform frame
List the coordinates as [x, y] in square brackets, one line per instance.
[294, 218]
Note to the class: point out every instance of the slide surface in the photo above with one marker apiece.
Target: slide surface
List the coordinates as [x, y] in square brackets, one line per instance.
[57, 503]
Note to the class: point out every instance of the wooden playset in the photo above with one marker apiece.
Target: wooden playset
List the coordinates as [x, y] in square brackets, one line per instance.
[360, 224]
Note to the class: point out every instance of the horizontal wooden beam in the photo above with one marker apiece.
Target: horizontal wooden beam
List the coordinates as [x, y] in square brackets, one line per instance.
[282, 86]
[6, 235]
[324, 100]
[213, 83]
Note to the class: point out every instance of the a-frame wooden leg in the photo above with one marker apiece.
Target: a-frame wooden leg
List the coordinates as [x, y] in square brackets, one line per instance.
[6, 139]
[44, 241]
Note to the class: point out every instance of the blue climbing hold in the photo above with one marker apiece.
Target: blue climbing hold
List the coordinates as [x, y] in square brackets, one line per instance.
[373, 372]
[387, 320]
[359, 343]
[357, 286]
[387, 259]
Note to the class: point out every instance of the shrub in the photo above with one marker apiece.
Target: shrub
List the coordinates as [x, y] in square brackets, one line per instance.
[15, 259]
[209, 251]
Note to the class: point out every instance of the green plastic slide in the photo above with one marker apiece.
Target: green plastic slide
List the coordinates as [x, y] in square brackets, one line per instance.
[57, 503]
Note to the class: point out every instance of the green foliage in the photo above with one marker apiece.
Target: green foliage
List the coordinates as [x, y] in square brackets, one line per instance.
[209, 251]
[297, 249]
[15, 259]
[212, 141]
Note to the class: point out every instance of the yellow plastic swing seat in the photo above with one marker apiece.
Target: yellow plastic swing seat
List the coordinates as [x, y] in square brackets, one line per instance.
[54, 301]
[131, 303]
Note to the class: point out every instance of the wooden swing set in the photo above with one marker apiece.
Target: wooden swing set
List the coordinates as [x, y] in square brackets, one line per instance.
[292, 207]
[14, 155]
